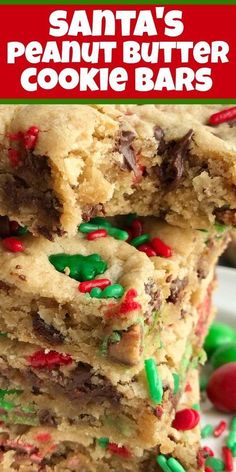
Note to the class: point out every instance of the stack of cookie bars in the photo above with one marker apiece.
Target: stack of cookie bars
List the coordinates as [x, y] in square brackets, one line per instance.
[113, 219]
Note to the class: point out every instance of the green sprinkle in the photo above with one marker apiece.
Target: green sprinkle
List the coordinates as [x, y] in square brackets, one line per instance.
[4, 392]
[88, 227]
[140, 240]
[231, 439]
[219, 228]
[81, 267]
[176, 382]
[115, 337]
[22, 231]
[96, 292]
[196, 406]
[162, 462]
[103, 442]
[113, 291]
[118, 233]
[6, 405]
[175, 465]
[3, 334]
[233, 450]
[216, 464]
[207, 431]
[203, 382]
[100, 221]
[154, 381]
[233, 424]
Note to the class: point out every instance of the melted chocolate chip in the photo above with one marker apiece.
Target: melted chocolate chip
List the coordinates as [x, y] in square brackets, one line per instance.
[125, 148]
[46, 331]
[174, 154]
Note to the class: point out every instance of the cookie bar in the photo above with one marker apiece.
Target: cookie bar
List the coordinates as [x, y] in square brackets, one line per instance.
[134, 411]
[45, 297]
[62, 163]
[46, 449]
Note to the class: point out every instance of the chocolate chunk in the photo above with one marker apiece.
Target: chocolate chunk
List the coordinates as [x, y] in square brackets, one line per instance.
[79, 386]
[176, 289]
[46, 418]
[125, 148]
[174, 154]
[4, 227]
[92, 211]
[128, 349]
[226, 216]
[160, 138]
[46, 331]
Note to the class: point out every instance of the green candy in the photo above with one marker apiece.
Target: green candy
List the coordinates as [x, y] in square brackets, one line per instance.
[102, 223]
[219, 334]
[88, 227]
[81, 267]
[175, 465]
[162, 462]
[6, 405]
[113, 291]
[216, 464]
[233, 449]
[233, 424]
[196, 407]
[224, 355]
[154, 381]
[231, 439]
[96, 292]
[143, 238]
[22, 231]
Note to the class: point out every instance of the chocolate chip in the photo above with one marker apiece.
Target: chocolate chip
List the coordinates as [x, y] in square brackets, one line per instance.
[46, 331]
[176, 290]
[174, 154]
[226, 216]
[124, 146]
[46, 418]
[160, 138]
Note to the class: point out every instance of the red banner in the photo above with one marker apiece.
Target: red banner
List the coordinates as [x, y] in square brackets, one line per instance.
[111, 51]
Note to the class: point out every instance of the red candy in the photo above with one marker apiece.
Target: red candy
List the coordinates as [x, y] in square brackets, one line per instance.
[14, 157]
[99, 233]
[228, 459]
[121, 451]
[207, 451]
[129, 304]
[43, 437]
[13, 244]
[49, 360]
[137, 228]
[161, 248]
[220, 428]
[223, 116]
[96, 283]
[147, 249]
[221, 389]
[186, 419]
[208, 469]
[30, 137]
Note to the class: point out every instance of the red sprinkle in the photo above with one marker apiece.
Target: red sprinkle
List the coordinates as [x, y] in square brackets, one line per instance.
[228, 459]
[15, 136]
[207, 451]
[30, 138]
[99, 233]
[13, 244]
[208, 469]
[121, 451]
[14, 157]
[200, 458]
[137, 228]
[49, 360]
[43, 437]
[96, 283]
[186, 419]
[188, 388]
[158, 411]
[147, 249]
[223, 116]
[219, 429]
[129, 304]
[161, 248]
